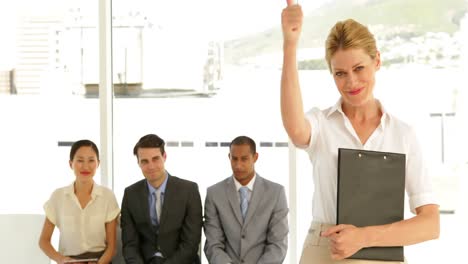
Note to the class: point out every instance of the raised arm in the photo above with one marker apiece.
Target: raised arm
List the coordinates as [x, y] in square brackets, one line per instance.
[292, 112]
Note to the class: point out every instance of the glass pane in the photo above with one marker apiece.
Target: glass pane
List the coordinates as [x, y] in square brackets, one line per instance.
[204, 72]
[41, 100]
[454, 142]
[192, 93]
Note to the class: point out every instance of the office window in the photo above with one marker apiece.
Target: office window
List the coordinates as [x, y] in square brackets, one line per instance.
[42, 106]
[199, 73]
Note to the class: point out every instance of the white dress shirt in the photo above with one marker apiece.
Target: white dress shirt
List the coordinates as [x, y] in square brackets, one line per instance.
[249, 186]
[331, 129]
[81, 230]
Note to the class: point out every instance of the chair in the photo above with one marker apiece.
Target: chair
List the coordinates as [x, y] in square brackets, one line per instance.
[19, 239]
[118, 258]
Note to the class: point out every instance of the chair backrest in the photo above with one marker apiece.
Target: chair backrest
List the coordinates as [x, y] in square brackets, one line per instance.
[118, 258]
[19, 239]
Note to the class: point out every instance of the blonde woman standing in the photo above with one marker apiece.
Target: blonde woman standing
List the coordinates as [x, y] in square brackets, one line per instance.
[359, 121]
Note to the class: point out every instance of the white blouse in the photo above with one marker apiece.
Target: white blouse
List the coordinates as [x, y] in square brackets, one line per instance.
[81, 230]
[331, 129]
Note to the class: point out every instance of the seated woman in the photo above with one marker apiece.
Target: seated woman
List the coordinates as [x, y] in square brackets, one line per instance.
[84, 212]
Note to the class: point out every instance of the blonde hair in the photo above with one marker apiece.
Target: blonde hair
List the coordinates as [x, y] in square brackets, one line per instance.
[349, 34]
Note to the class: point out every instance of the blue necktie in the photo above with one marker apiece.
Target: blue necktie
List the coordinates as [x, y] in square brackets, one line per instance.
[155, 205]
[244, 204]
[153, 213]
[158, 205]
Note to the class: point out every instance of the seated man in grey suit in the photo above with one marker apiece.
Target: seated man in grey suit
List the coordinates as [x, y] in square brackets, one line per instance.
[246, 216]
[161, 216]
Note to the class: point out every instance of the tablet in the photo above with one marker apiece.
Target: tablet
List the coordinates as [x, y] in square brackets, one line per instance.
[81, 260]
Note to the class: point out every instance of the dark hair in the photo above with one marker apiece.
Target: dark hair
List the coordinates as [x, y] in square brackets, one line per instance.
[149, 141]
[244, 140]
[83, 143]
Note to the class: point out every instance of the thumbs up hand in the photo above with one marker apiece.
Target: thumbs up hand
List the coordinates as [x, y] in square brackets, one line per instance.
[291, 21]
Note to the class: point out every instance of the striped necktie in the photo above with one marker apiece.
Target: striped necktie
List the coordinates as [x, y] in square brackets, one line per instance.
[158, 204]
[244, 204]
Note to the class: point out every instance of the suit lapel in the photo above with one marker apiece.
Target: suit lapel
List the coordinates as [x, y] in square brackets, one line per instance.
[257, 195]
[143, 199]
[231, 193]
[168, 199]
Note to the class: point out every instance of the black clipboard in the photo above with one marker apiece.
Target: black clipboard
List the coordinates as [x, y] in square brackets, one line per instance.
[371, 191]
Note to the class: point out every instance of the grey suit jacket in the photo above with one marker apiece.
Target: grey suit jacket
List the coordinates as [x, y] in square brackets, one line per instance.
[263, 238]
[179, 233]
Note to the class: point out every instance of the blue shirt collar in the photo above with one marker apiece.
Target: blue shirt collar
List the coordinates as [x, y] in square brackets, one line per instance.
[151, 189]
